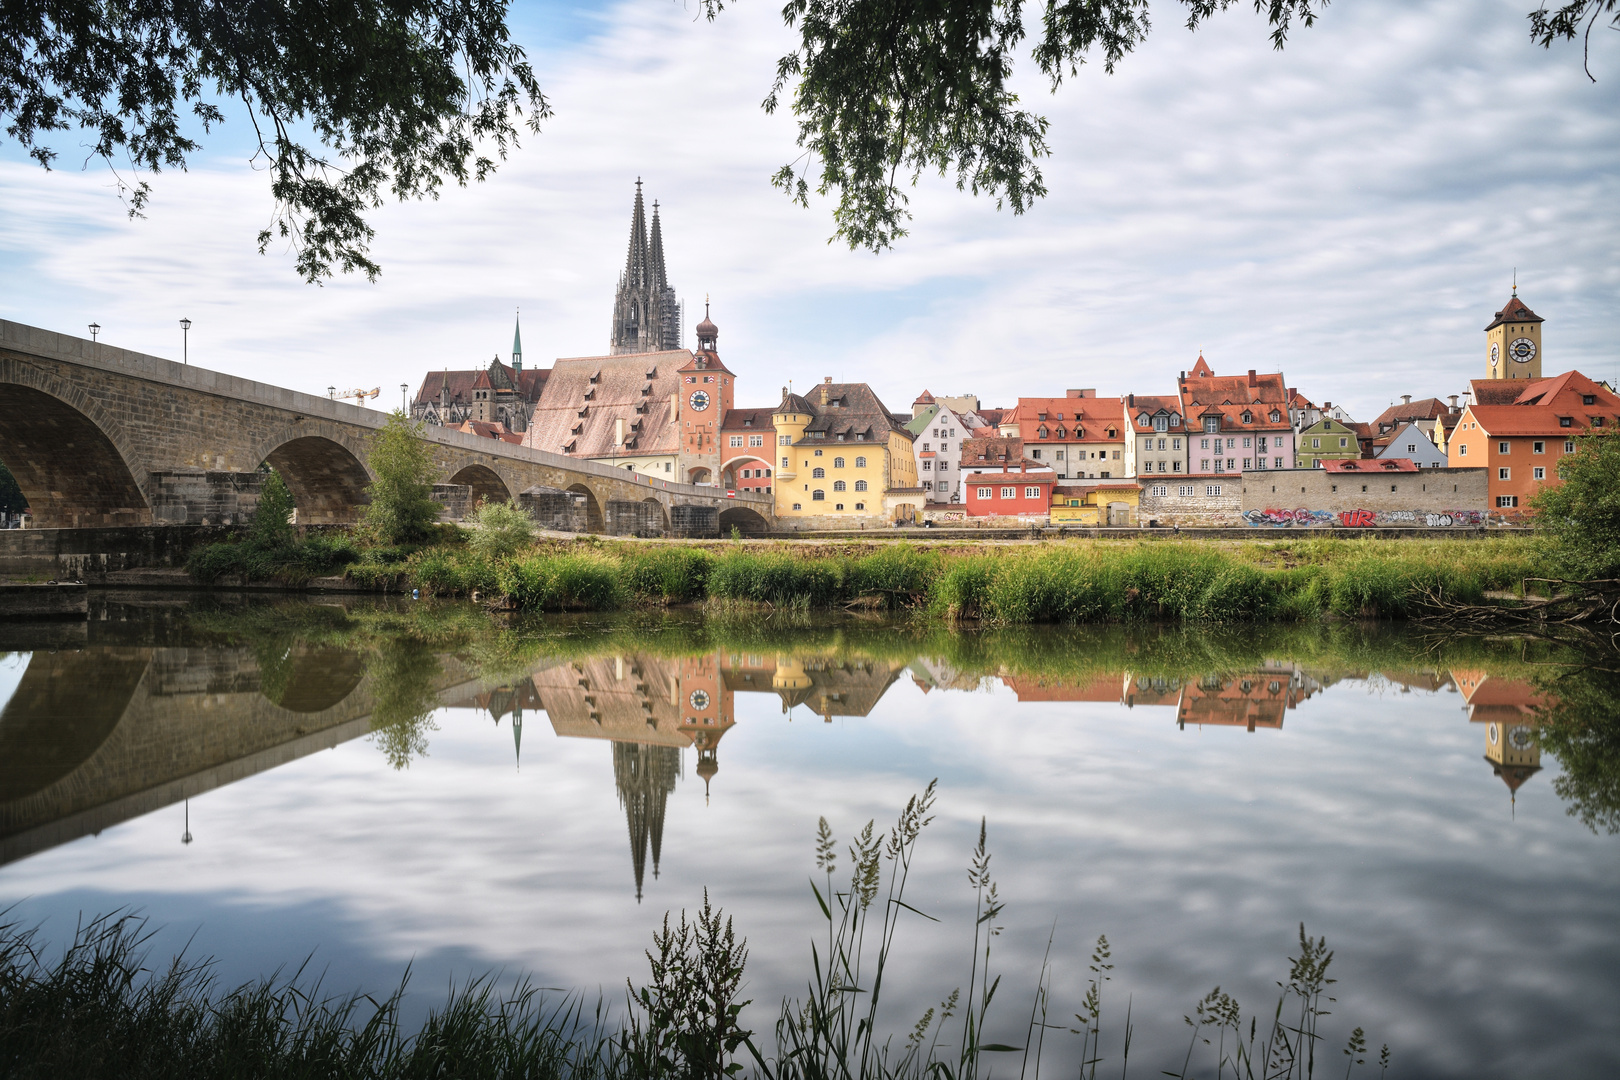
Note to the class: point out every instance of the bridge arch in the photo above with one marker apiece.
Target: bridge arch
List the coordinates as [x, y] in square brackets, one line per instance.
[661, 512]
[593, 508]
[487, 484]
[71, 460]
[323, 470]
[310, 678]
[746, 520]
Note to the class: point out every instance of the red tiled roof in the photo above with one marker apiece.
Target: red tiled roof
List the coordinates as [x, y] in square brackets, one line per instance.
[1232, 417]
[616, 385]
[1095, 416]
[1234, 389]
[1201, 370]
[1514, 311]
[924, 398]
[1386, 465]
[527, 384]
[1139, 404]
[747, 420]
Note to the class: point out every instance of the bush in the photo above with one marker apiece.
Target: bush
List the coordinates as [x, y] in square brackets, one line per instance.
[1579, 520]
[500, 530]
[571, 582]
[272, 520]
[402, 509]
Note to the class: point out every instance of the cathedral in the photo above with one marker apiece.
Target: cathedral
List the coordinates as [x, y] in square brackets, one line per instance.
[646, 315]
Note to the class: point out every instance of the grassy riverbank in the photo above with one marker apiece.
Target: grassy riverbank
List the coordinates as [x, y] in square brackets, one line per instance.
[1057, 581]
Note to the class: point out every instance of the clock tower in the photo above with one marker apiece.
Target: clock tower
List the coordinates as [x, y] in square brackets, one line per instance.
[707, 391]
[1513, 342]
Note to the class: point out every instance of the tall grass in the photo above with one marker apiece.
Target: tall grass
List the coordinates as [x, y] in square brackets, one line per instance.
[100, 1010]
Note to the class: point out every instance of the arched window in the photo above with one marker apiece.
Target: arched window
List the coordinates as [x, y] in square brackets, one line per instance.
[860, 506]
[860, 463]
[818, 496]
[840, 506]
[838, 485]
[817, 473]
[838, 463]
[860, 485]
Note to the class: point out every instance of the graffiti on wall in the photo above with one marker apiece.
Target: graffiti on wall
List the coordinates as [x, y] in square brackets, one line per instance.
[1364, 519]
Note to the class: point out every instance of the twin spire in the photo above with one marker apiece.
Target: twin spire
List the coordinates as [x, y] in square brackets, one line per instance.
[646, 314]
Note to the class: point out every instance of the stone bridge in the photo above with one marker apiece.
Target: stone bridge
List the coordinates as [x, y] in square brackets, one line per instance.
[100, 436]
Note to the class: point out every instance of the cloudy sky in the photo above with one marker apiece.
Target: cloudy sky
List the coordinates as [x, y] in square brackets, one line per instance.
[1350, 211]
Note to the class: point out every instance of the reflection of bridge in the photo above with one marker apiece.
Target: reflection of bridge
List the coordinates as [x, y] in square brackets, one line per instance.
[97, 736]
[100, 436]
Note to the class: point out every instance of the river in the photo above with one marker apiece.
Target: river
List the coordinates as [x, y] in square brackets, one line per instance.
[370, 785]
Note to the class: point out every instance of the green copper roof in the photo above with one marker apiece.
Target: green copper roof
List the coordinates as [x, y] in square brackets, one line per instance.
[517, 338]
[922, 420]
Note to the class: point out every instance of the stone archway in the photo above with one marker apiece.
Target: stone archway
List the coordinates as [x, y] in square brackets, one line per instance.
[745, 520]
[699, 474]
[658, 512]
[66, 705]
[327, 481]
[487, 485]
[68, 467]
[593, 508]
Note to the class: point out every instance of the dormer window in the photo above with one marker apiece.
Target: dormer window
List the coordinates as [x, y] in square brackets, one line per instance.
[596, 378]
[1248, 417]
[1212, 423]
[1275, 416]
[1175, 419]
[652, 373]
[748, 422]
[1144, 420]
[1566, 421]
[1043, 432]
[1040, 416]
[1588, 399]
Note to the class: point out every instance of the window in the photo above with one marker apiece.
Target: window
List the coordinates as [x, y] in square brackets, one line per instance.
[860, 485]
[838, 463]
[1411, 448]
[1504, 447]
[1344, 442]
[817, 473]
[1161, 423]
[1588, 399]
[840, 506]
[1259, 463]
[1504, 474]
[798, 506]
[1212, 423]
[1060, 455]
[1246, 442]
[1462, 450]
[1569, 447]
[1279, 463]
[756, 440]
[736, 440]
[1184, 491]
[944, 465]
[784, 440]
[1503, 501]
[1275, 416]
[1566, 421]
[818, 435]
[1035, 453]
[838, 485]
[818, 496]
[1212, 489]
[1009, 493]
[1597, 421]
[784, 463]
[1160, 489]
[984, 493]
[860, 506]
[928, 464]
[1161, 466]
[1032, 493]
[1203, 463]
[860, 463]
[1114, 456]
[1231, 444]
[1203, 444]
[1247, 463]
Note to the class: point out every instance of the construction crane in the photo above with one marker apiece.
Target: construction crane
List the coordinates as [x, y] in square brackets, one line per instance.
[358, 395]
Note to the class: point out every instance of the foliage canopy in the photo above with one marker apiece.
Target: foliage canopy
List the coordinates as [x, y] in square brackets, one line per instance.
[1580, 518]
[346, 100]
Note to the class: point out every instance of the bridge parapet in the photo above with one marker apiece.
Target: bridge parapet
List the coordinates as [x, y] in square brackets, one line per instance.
[99, 435]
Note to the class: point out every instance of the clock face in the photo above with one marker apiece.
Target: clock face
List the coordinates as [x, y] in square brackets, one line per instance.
[700, 400]
[700, 700]
[1522, 350]
[1520, 737]
[1496, 352]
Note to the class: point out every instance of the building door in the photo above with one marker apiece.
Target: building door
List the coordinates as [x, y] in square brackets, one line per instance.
[1119, 513]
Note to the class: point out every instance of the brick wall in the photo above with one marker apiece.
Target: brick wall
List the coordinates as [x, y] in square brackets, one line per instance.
[1203, 508]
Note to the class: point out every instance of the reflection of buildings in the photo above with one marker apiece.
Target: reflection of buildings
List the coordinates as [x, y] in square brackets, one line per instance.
[652, 708]
[1507, 708]
[1105, 687]
[1249, 699]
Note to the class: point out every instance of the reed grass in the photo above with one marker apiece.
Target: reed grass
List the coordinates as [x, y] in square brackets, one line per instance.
[102, 1010]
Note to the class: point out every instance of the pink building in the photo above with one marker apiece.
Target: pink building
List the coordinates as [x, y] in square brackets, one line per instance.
[1235, 423]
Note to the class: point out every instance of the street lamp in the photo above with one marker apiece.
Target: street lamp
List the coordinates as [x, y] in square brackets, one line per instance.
[95, 328]
[185, 837]
[402, 407]
[185, 341]
[331, 392]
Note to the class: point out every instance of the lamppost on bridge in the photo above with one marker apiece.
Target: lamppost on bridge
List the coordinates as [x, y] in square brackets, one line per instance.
[95, 328]
[185, 341]
[185, 837]
[331, 392]
[402, 406]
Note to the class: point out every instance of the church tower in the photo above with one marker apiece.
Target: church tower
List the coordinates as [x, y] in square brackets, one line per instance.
[646, 315]
[1513, 342]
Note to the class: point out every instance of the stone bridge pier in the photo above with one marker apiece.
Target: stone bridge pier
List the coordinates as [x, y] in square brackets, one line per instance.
[99, 436]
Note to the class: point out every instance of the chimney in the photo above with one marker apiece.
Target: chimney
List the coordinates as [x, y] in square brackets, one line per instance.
[1130, 399]
[1406, 399]
[1453, 400]
[1089, 392]
[618, 432]
[1253, 380]
[824, 384]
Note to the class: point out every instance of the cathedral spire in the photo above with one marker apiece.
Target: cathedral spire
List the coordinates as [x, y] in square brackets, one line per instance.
[646, 315]
[658, 279]
[635, 262]
[517, 342]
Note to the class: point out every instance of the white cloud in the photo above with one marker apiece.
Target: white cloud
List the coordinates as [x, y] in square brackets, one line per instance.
[1349, 210]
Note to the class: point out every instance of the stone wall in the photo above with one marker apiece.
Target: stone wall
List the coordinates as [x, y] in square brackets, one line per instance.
[88, 554]
[1316, 498]
[621, 517]
[694, 521]
[1201, 509]
[455, 500]
[204, 498]
[554, 509]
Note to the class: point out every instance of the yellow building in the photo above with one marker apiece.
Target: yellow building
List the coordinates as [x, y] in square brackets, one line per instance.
[1096, 504]
[842, 460]
[1513, 342]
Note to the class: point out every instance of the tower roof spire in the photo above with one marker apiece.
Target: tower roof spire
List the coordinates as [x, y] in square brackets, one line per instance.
[517, 341]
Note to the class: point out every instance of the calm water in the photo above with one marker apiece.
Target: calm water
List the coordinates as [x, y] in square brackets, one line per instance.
[375, 787]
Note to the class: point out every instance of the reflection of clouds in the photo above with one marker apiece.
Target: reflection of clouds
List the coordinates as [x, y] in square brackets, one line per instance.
[1356, 202]
[1473, 942]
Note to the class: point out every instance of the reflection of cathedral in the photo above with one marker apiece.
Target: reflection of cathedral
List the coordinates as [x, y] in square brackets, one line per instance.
[1507, 708]
[645, 775]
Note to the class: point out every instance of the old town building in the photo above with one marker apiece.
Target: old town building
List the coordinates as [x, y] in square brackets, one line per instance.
[500, 393]
[843, 460]
[938, 426]
[1158, 442]
[1239, 422]
[1079, 435]
[1325, 440]
[1000, 479]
